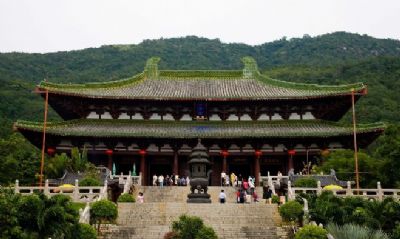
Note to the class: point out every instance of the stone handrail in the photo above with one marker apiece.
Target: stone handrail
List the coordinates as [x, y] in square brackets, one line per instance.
[273, 180]
[136, 180]
[84, 214]
[371, 193]
[77, 193]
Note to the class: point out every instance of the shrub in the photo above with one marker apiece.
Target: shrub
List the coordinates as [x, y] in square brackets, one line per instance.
[396, 232]
[291, 211]
[89, 181]
[171, 235]
[190, 227]
[206, 233]
[103, 211]
[187, 227]
[275, 199]
[306, 182]
[85, 231]
[126, 197]
[311, 232]
[351, 231]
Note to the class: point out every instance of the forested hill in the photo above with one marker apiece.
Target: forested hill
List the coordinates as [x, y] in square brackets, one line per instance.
[327, 59]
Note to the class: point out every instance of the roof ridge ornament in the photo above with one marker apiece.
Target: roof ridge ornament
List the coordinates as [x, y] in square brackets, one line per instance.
[250, 69]
[151, 68]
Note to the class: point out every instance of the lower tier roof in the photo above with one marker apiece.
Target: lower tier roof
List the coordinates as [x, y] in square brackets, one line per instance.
[198, 129]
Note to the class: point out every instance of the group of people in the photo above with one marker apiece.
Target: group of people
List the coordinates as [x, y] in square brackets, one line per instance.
[173, 180]
[246, 187]
[237, 180]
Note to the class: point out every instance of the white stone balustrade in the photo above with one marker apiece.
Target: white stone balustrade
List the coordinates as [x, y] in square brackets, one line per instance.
[370, 193]
[136, 180]
[77, 193]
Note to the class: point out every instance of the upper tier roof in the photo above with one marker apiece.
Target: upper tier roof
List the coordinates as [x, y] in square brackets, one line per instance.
[247, 84]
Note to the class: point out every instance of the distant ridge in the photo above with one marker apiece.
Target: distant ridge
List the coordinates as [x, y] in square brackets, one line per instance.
[335, 58]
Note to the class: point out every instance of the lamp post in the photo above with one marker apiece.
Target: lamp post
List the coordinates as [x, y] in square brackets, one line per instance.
[46, 102]
[355, 140]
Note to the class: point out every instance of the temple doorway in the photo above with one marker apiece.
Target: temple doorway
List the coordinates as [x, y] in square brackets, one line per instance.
[159, 166]
[241, 168]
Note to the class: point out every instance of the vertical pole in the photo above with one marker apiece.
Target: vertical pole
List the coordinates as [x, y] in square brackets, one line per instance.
[257, 170]
[355, 140]
[44, 138]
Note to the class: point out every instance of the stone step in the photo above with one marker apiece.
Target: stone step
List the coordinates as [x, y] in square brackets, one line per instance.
[152, 220]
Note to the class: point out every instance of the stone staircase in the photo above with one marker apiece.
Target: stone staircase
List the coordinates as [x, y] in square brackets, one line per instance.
[153, 218]
[179, 194]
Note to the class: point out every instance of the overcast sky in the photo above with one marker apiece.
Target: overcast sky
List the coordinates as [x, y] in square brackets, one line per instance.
[55, 25]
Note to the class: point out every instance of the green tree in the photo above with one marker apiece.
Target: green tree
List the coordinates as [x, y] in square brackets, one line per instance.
[9, 225]
[187, 227]
[20, 160]
[103, 211]
[342, 161]
[291, 211]
[387, 150]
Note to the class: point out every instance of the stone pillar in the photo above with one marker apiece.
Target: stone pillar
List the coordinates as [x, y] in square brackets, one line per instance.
[257, 169]
[176, 166]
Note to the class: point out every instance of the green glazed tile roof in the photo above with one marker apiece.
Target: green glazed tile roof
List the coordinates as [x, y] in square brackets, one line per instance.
[246, 84]
[190, 129]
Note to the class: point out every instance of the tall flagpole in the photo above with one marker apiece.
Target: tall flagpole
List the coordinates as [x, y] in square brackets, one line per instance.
[355, 141]
[44, 137]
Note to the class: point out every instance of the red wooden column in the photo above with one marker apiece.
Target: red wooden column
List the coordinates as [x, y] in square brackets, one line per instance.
[258, 154]
[224, 154]
[291, 153]
[176, 166]
[142, 153]
[109, 152]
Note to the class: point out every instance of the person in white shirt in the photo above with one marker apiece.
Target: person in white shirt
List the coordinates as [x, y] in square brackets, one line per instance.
[161, 180]
[222, 196]
[154, 180]
[223, 174]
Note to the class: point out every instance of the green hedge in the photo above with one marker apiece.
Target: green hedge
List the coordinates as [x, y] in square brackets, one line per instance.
[126, 197]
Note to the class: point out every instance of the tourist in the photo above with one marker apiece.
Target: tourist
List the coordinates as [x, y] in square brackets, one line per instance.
[166, 180]
[140, 198]
[161, 180]
[251, 186]
[245, 185]
[240, 180]
[187, 181]
[223, 174]
[236, 181]
[222, 196]
[227, 180]
[183, 181]
[154, 180]
[176, 179]
[238, 196]
[267, 194]
[233, 179]
[255, 196]
[242, 196]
